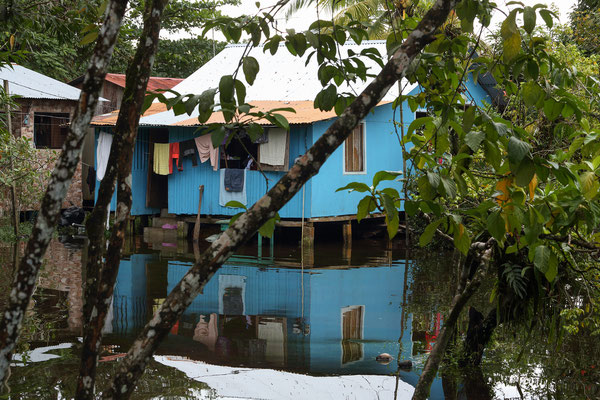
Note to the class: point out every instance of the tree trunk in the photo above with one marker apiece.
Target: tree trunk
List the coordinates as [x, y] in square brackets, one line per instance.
[101, 285]
[60, 180]
[133, 365]
[479, 334]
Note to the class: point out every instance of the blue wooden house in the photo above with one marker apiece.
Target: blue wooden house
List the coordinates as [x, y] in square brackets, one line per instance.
[283, 81]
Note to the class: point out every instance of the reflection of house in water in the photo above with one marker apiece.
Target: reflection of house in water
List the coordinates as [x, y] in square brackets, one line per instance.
[325, 321]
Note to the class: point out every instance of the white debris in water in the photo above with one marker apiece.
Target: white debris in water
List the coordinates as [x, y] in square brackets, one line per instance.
[266, 384]
[38, 355]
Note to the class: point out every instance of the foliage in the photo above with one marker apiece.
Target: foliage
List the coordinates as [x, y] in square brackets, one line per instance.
[585, 22]
[57, 39]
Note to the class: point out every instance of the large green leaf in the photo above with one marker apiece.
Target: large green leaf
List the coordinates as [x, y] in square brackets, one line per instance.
[250, 67]
[531, 93]
[462, 240]
[529, 19]
[496, 226]
[365, 206]
[428, 233]
[511, 38]
[524, 172]
[385, 176]
[355, 186]
[473, 139]
[517, 149]
[449, 187]
[541, 258]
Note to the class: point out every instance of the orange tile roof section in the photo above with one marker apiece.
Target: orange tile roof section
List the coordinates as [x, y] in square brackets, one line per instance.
[154, 83]
[111, 119]
[305, 113]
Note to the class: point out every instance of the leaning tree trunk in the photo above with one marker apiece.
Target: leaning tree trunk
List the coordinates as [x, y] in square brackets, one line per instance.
[464, 292]
[133, 365]
[102, 275]
[60, 180]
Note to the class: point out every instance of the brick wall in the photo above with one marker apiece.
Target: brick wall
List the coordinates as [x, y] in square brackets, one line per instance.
[23, 124]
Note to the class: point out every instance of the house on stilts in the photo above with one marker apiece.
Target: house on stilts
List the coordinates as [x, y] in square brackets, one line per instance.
[283, 81]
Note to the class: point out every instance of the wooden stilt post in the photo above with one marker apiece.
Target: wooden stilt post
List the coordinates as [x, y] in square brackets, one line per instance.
[308, 244]
[347, 233]
[197, 225]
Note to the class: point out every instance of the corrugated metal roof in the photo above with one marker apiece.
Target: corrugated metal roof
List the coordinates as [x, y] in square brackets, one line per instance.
[33, 85]
[154, 83]
[282, 77]
[283, 81]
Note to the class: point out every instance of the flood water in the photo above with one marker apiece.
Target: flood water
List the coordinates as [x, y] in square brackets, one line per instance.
[326, 314]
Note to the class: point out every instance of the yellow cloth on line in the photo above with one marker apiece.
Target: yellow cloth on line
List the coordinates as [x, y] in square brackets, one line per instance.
[161, 158]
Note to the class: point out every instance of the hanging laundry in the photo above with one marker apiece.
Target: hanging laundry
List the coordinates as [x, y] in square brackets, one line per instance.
[225, 196]
[273, 152]
[161, 159]
[206, 150]
[234, 179]
[102, 153]
[187, 148]
[174, 155]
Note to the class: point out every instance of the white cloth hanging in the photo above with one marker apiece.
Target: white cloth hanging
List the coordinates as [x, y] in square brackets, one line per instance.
[102, 153]
[273, 152]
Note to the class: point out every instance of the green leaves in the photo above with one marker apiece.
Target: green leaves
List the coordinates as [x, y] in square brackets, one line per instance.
[385, 176]
[546, 262]
[524, 172]
[366, 206]
[473, 139]
[532, 93]
[355, 186]
[496, 226]
[250, 67]
[428, 233]
[529, 19]
[517, 149]
[511, 38]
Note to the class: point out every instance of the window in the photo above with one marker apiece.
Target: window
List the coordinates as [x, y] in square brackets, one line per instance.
[239, 153]
[354, 151]
[352, 333]
[50, 130]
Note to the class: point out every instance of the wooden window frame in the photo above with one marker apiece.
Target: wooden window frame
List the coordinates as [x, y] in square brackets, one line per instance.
[347, 344]
[286, 161]
[55, 129]
[362, 125]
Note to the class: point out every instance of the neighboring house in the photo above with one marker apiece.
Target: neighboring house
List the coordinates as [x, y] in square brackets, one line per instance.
[114, 86]
[45, 107]
[283, 81]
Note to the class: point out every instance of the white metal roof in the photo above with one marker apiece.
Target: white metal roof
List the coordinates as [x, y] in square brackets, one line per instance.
[282, 77]
[33, 85]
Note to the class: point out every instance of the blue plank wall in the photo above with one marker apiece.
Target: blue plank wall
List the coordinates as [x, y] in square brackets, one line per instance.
[183, 185]
[383, 152]
[139, 175]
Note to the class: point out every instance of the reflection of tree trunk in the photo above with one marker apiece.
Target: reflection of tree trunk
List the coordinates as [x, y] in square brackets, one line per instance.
[479, 333]
[449, 385]
[475, 385]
